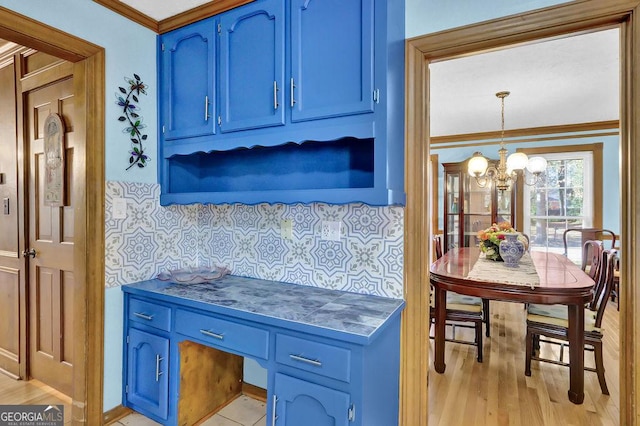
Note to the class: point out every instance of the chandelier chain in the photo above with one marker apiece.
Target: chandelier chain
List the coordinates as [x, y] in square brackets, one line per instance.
[502, 133]
[502, 95]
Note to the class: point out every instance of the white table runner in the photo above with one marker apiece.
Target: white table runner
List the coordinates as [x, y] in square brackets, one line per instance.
[498, 272]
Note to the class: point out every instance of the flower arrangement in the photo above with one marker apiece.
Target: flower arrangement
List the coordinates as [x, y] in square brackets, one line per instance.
[491, 237]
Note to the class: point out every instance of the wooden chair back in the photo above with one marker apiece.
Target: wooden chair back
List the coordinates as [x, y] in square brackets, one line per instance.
[604, 285]
[437, 245]
[588, 234]
[591, 257]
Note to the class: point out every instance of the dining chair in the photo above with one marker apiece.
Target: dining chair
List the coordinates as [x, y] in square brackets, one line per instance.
[551, 321]
[588, 234]
[437, 242]
[615, 292]
[586, 265]
[461, 310]
[437, 245]
[591, 257]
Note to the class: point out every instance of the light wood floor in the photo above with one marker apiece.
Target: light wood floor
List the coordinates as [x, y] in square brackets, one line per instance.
[496, 391]
[33, 392]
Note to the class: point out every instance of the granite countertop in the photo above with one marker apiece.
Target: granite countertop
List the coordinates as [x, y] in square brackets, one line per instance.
[253, 299]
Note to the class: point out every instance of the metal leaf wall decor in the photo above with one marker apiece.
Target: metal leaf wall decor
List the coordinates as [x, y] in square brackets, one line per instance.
[133, 120]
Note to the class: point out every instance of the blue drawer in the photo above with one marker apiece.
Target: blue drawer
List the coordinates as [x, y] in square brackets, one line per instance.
[223, 333]
[157, 316]
[319, 358]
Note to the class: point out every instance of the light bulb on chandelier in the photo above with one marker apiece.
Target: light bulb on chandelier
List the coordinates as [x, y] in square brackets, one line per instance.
[505, 173]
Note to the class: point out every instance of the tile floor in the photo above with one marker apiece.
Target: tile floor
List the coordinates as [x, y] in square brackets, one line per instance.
[243, 411]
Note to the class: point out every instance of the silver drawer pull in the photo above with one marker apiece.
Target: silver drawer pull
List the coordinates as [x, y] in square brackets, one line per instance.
[143, 316]
[158, 372]
[307, 360]
[212, 334]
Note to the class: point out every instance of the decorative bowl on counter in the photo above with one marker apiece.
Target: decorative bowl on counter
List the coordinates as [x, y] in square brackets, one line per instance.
[194, 275]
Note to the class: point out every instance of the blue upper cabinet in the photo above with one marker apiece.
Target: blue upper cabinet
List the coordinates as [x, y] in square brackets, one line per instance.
[187, 63]
[309, 105]
[331, 58]
[321, 81]
[252, 67]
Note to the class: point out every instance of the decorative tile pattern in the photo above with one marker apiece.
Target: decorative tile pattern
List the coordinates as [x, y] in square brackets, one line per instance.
[246, 239]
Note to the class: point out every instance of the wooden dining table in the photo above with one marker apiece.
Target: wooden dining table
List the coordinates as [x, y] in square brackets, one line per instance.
[560, 281]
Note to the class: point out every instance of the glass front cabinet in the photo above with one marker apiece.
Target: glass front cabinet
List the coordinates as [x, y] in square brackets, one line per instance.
[469, 207]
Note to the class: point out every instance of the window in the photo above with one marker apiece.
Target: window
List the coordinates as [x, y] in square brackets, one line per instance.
[561, 199]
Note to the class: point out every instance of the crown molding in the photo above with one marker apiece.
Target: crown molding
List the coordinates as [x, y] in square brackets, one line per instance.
[129, 13]
[196, 14]
[532, 131]
[192, 15]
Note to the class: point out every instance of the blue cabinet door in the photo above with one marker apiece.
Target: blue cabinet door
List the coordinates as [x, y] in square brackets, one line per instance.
[148, 373]
[304, 403]
[187, 79]
[252, 66]
[331, 58]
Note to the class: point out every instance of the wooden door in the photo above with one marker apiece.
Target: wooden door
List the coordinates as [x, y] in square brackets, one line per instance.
[51, 235]
[12, 269]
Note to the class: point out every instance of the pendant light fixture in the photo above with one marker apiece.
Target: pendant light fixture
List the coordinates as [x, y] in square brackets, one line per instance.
[505, 173]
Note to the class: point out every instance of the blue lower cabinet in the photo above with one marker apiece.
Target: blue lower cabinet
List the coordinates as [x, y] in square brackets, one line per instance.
[298, 402]
[147, 387]
[185, 346]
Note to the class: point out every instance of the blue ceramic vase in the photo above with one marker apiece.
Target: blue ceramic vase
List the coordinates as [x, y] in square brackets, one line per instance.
[511, 250]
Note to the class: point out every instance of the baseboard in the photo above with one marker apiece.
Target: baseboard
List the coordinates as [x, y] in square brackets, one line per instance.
[115, 414]
[9, 374]
[254, 392]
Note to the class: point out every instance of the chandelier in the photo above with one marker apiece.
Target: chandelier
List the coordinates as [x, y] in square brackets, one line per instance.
[506, 172]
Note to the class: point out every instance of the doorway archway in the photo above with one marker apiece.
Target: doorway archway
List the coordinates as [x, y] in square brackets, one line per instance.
[88, 300]
[554, 21]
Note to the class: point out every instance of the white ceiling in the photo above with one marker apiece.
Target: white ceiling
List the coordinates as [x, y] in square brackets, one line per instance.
[556, 82]
[563, 81]
[162, 9]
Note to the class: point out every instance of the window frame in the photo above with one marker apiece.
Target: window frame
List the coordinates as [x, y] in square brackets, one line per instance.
[587, 185]
[596, 150]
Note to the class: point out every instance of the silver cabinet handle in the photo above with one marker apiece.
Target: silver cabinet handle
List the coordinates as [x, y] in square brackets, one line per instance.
[273, 410]
[300, 358]
[143, 316]
[206, 108]
[275, 94]
[293, 86]
[158, 372]
[212, 334]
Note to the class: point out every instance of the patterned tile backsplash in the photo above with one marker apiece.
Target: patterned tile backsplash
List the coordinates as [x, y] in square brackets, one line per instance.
[247, 240]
